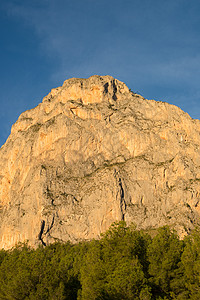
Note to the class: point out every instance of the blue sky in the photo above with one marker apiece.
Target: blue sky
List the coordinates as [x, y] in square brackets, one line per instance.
[152, 46]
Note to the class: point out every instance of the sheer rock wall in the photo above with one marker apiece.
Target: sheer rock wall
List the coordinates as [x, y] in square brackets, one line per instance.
[92, 153]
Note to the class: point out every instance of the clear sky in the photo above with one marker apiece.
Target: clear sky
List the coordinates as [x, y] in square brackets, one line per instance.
[151, 45]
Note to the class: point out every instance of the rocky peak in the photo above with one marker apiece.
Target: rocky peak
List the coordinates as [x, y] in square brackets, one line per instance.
[75, 94]
[93, 153]
[95, 89]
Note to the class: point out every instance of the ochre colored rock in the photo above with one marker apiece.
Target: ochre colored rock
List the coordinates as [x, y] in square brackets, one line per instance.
[92, 153]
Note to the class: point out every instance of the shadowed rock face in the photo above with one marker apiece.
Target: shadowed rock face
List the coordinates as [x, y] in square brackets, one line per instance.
[93, 153]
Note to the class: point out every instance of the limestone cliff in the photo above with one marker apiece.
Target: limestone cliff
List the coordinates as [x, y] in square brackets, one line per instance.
[92, 153]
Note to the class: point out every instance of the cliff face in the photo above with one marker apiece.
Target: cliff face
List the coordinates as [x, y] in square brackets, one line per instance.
[93, 153]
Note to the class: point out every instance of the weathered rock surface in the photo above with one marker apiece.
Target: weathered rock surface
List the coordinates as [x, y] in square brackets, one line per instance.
[93, 153]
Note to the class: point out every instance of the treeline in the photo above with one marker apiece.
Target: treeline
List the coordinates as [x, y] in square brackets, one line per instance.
[124, 264]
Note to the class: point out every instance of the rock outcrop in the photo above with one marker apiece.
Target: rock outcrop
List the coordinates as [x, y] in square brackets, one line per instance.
[92, 153]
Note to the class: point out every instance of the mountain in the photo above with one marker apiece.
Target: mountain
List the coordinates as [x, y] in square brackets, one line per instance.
[93, 152]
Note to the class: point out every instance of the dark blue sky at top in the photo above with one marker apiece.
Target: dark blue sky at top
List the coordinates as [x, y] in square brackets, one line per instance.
[152, 46]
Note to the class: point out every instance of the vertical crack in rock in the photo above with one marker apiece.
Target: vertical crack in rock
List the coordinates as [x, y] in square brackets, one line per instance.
[51, 226]
[114, 90]
[41, 232]
[106, 87]
[120, 194]
[122, 200]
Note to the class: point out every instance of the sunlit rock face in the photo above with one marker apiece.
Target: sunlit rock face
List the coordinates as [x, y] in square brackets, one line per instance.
[92, 153]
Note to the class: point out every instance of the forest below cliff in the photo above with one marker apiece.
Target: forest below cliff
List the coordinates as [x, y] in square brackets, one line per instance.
[124, 264]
